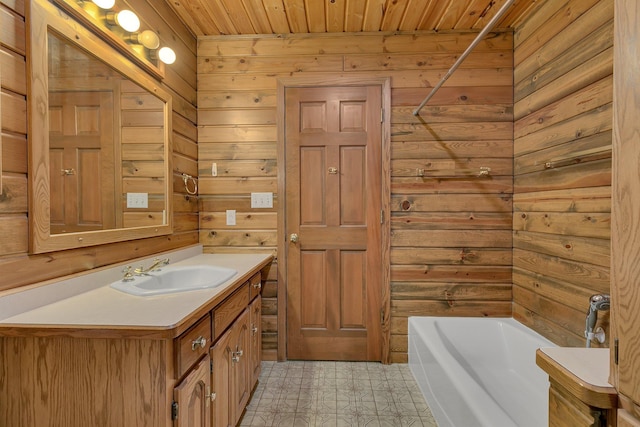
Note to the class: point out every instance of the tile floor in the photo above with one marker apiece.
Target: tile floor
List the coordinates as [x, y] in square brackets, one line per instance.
[336, 394]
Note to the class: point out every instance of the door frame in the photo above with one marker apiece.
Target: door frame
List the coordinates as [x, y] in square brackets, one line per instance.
[330, 80]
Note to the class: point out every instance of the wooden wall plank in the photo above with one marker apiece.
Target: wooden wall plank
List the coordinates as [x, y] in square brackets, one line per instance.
[583, 249]
[449, 256]
[449, 221]
[568, 38]
[591, 224]
[380, 43]
[593, 277]
[461, 185]
[596, 68]
[593, 199]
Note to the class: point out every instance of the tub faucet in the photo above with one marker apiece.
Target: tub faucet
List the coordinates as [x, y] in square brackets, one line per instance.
[597, 302]
[157, 263]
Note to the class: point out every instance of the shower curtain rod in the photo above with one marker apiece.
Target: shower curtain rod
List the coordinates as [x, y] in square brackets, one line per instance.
[466, 53]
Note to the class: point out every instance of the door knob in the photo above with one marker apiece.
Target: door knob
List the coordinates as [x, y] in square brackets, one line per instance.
[293, 238]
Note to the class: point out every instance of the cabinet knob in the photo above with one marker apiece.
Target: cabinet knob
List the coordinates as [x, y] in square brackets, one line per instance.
[254, 330]
[198, 342]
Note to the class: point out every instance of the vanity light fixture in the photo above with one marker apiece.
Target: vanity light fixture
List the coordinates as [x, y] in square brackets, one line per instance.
[167, 55]
[111, 19]
[104, 4]
[146, 38]
[125, 19]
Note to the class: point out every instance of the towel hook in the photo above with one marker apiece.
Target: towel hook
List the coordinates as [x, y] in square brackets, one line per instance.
[186, 178]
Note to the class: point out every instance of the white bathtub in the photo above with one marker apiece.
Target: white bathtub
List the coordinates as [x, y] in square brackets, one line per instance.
[479, 371]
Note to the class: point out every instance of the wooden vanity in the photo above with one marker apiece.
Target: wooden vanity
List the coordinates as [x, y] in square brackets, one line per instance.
[190, 358]
[579, 392]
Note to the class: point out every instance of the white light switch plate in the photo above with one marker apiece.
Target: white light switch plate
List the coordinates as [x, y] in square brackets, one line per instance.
[137, 200]
[231, 217]
[261, 200]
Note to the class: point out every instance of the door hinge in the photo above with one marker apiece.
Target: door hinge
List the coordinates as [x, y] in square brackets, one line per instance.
[381, 217]
[615, 351]
[174, 411]
[211, 366]
[382, 115]
[382, 316]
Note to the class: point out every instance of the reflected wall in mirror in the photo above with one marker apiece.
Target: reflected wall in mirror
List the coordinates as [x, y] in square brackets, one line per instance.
[100, 164]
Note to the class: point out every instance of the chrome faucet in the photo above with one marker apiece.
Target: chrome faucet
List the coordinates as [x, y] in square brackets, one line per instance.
[597, 302]
[157, 263]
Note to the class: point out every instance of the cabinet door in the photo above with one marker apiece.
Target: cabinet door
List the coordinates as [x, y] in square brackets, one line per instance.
[256, 340]
[221, 368]
[192, 398]
[239, 377]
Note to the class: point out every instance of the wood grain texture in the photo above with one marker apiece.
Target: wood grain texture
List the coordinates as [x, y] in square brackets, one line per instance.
[109, 374]
[290, 16]
[624, 229]
[562, 165]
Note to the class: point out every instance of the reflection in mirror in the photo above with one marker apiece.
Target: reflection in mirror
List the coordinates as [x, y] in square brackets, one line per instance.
[106, 150]
[93, 161]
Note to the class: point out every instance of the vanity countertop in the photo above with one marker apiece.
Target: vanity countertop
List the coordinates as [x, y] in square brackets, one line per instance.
[582, 371]
[107, 312]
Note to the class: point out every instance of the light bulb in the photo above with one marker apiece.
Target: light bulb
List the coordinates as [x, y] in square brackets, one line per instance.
[148, 39]
[128, 20]
[104, 4]
[167, 55]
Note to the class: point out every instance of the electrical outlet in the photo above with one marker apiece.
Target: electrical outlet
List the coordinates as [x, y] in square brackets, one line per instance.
[137, 200]
[231, 217]
[262, 200]
[214, 169]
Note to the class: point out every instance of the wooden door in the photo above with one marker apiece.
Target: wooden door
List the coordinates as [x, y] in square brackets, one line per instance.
[333, 187]
[192, 398]
[81, 153]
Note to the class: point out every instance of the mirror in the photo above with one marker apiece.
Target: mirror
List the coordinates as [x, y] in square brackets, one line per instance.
[99, 140]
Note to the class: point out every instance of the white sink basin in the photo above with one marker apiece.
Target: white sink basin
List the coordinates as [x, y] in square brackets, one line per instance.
[176, 279]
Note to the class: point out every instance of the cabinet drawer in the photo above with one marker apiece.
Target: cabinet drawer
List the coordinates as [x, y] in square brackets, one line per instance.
[229, 309]
[255, 286]
[192, 344]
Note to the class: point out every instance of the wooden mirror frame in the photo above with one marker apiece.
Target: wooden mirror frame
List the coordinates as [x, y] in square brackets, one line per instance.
[43, 16]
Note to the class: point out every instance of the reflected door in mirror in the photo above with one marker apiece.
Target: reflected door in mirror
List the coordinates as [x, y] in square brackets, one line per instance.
[81, 154]
[99, 140]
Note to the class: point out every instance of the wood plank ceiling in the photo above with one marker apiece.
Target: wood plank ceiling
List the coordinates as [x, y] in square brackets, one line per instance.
[226, 17]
